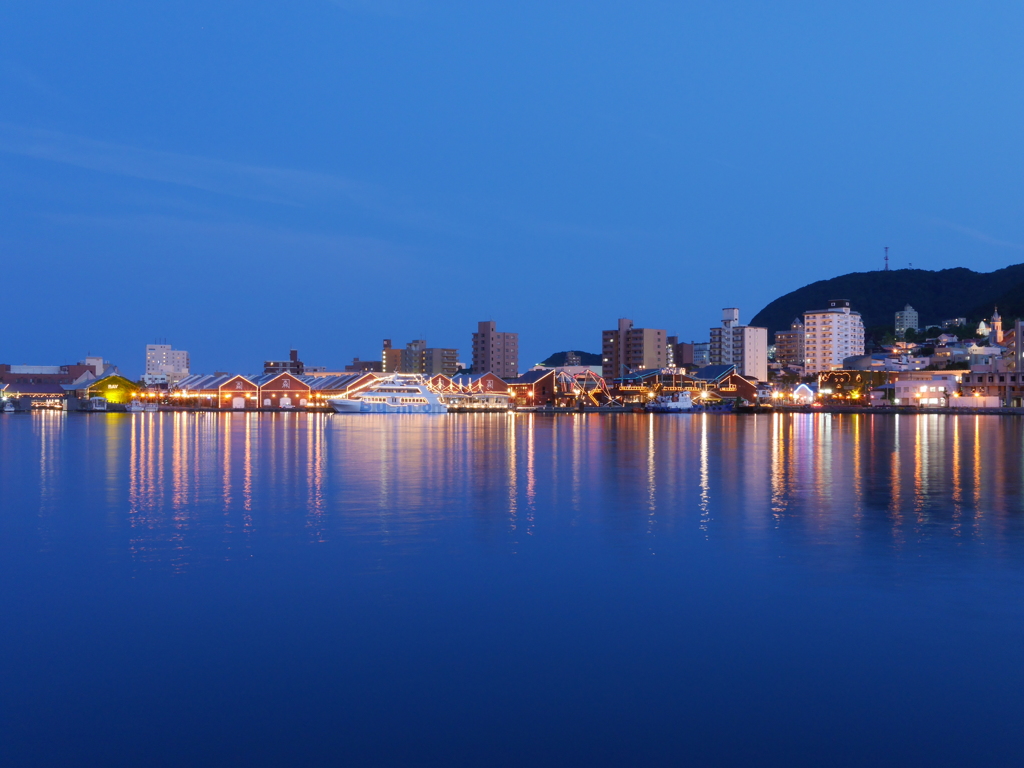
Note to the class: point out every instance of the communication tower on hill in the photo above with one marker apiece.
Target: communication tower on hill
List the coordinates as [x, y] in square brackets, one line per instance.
[887, 258]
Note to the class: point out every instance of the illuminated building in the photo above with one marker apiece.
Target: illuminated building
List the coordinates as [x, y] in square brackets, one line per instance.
[789, 345]
[626, 349]
[744, 346]
[906, 320]
[52, 374]
[165, 365]
[417, 357]
[831, 335]
[494, 351]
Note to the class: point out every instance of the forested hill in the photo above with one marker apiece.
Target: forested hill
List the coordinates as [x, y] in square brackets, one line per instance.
[879, 295]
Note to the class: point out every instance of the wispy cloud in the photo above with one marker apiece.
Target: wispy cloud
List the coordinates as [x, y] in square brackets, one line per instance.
[282, 186]
[246, 238]
[979, 236]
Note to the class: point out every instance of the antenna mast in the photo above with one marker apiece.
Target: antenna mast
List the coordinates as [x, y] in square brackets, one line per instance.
[887, 258]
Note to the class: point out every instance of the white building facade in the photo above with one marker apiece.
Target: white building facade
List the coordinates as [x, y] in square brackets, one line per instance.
[831, 335]
[744, 346]
[165, 365]
[906, 320]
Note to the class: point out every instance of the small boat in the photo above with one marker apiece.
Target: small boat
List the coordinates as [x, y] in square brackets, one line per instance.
[152, 407]
[680, 402]
[398, 393]
[135, 406]
[8, 406]
[97, 404]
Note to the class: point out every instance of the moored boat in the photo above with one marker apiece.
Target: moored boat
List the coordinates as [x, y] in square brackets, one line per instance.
[398, 393]
[680, 402]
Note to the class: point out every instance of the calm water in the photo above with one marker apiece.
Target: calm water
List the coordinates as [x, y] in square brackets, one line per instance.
[199, 589]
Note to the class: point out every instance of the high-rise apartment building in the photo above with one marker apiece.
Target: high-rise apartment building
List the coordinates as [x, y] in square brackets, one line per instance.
[745, 346]
[789, 345]
[906, 320]
[165, 365]
[831, 335]
[495, 352]
[628, 349]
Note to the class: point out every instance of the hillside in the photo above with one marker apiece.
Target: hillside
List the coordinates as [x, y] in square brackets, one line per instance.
[879, 295]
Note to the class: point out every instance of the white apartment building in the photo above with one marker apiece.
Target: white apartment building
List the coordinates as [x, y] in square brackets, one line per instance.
[744, 346]
[831, 335]
[906, 320]
[165, 365]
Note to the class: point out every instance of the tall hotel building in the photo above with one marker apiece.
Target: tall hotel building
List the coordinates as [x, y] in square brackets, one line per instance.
[906, 320]
[495, 352]
[831, 335]
[745, 346]
[165, 365]
[628, 349]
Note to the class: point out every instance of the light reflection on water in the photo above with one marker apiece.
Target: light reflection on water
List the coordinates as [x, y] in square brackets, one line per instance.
[309, 589]
[172, 480]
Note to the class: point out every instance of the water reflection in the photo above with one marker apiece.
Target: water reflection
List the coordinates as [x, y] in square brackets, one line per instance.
[181, 488]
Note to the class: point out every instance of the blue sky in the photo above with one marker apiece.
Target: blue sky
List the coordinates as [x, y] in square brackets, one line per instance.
[241, 177]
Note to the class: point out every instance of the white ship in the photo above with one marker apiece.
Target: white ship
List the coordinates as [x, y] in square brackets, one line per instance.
[135, 407]
[398, 393]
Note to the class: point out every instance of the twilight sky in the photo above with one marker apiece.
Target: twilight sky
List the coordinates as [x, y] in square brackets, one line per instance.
[241, 177]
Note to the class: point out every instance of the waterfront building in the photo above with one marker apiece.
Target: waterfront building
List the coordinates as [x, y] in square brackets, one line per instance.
[534, 388]
[164, 365]
[1007, 386]
[626, 349]
[851, 387]
[110, 385]
[236, 392]
[728, 383]
[219, 390]
[744, 346]
[831, 335]
[53, 374]
[282, 390]
[643, 386]
[480, 382]
[931, 391]
[906, 320]
[26, 397]
[494, 351]
[789, 345]
[292, 365]
[805, 394]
